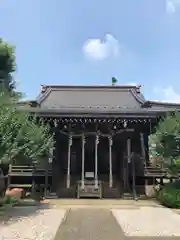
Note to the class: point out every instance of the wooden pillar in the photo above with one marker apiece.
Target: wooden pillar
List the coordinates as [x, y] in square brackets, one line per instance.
[46, 179]
[55, 170]
[128, 161]
[82, 169]
[96, 161]
[129, 150]
[69, 160]
[110, 162]
[124, 171]
[50, 164]
[143, 152]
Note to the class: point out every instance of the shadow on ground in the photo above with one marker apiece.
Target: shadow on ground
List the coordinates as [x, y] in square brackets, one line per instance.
[10, 214]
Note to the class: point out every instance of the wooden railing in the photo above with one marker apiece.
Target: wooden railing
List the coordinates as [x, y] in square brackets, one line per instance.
[155, 172]
[28, 171]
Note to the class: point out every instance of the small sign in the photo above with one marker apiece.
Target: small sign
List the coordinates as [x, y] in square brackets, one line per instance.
[89, 175]
[50, 160]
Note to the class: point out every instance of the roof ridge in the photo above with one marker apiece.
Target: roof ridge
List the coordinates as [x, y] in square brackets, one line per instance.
[43, 94]
[138, 96]
[91, 86]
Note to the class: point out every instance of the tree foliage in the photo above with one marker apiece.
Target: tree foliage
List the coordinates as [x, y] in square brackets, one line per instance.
[20, 137]
[166, 141]
[7, 66]
[169, 195]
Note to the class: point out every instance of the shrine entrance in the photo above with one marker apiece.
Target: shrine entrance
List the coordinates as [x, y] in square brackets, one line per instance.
[95, 160]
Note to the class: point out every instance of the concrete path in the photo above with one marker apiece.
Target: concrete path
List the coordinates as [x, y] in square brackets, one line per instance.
[89, 224]
[119, 224]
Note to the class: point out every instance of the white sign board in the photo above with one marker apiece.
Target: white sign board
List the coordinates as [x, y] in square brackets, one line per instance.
[89, 175]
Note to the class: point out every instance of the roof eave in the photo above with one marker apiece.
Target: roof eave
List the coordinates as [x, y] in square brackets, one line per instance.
[145, 113]
[164, 104]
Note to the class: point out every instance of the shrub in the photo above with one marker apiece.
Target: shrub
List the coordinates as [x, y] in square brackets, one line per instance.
[2, 202]
[169, 196]
[8, 200]
[11, 200]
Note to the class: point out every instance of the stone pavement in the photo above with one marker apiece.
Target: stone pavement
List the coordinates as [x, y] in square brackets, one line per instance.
[101, 203]
[89, 224]
[107, 224]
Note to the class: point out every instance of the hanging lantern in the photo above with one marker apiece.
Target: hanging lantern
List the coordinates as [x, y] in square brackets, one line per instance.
[70, 140]
[110, 140]
[125, 124]
[97, 139]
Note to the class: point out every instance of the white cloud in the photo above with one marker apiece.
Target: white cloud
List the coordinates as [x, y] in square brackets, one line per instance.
[99, 49]
[172, 5]
[170, 8]
[167, 94]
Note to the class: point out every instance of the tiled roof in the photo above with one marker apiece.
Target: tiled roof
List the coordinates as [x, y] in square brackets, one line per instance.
[96, 99]
[91, 96]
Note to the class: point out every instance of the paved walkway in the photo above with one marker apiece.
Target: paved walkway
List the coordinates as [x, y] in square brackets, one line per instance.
[119, 224]
[90, 224]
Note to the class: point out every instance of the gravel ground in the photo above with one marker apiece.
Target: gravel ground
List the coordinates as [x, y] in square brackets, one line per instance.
[89, 224]
[33, 223]
[42, 224]
[148, 221]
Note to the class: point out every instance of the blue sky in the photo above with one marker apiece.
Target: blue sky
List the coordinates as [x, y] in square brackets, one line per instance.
[88, 42]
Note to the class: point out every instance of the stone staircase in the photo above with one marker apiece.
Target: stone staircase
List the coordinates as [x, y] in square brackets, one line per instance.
[64, 192]
[127, 196]
[108, 192]
[52, 195]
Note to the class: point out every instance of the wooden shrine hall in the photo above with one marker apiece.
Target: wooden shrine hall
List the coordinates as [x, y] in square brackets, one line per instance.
[101, 136]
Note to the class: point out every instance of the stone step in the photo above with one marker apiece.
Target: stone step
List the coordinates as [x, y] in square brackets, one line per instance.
[111, 192]
[127, 196]
[52, 194]
[52, 197]
[64, 192]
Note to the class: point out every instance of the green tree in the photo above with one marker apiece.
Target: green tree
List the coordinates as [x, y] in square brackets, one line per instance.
[166, 141]
[168, 136]
[7, 66]
[20, 137]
